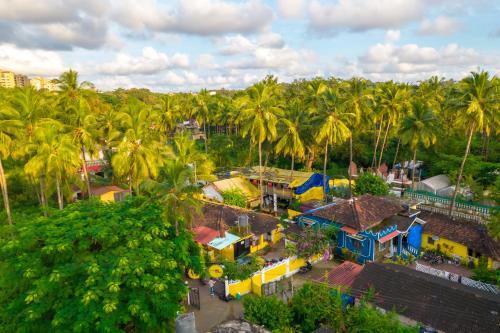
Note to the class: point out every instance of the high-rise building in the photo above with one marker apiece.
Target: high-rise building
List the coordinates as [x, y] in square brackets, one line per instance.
[21, 80]
[7, 79]
[43, 83]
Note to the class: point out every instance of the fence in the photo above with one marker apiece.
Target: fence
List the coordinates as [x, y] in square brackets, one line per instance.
[266, 275]
[460, 204]
[458, 278]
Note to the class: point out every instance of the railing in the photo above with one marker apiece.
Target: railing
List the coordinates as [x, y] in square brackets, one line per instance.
[457, 278]
[455, 213]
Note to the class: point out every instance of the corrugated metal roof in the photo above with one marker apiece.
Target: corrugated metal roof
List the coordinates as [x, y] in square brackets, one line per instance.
[221, 243]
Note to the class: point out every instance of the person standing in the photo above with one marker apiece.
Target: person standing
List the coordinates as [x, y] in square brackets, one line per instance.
[211, 285]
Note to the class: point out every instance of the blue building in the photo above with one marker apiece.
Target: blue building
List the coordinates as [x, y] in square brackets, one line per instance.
[370, 227]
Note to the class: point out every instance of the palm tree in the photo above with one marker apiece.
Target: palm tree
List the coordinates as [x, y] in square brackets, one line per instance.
[168, 114]
[419, 127]
[55, 158]
[138, 157]
[291, 142]
[202, 102]
[10, 125]
[175, 190]
[314, 91]
[357, 98]
[259, 114]
[186, 153]
[392, 99]
[477, 99]
[334, 119]
[70, 87]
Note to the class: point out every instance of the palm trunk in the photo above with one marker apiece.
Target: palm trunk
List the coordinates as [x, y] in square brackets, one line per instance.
[59, 194]
[205, 136]
[374, 160]
[396, 155]
[293, 162]
[43, 196]
[350, 163]
[5, 193]
[383, 143]
[260, 176]
[85, 173]
[459, 178]
[414, 170]
[324, 171]
[310, 159]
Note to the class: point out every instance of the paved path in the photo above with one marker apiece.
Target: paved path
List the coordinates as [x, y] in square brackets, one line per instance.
[213, 311]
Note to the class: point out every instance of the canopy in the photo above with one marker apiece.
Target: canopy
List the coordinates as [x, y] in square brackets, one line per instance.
[221, 243]
[388, 236]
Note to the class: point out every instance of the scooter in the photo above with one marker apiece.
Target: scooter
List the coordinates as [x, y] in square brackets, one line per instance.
[306, 268]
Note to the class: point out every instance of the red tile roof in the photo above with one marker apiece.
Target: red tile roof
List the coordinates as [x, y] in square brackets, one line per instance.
[204, 235]
[388, 236]
[366, 212]
[343, 275]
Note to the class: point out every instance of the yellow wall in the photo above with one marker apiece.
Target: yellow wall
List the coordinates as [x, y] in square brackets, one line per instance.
[227, 252]
[242, 287]
[275, 273]
[296, 264]
[108, 197]
[292, 213]
[256, 284]
[275, 237]
[449, 247]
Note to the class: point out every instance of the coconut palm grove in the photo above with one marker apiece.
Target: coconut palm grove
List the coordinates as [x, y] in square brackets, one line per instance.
[71, 261]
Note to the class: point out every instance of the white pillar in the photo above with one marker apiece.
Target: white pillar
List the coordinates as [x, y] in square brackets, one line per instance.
[226, 286]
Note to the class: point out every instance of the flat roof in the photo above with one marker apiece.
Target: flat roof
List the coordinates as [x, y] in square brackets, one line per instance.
[221, 243]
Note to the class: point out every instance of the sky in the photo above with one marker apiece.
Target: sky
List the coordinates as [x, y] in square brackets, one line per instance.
[187, 45]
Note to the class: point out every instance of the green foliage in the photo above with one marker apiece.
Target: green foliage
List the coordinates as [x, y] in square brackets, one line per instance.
[369, 183]
[95, 267]
[267, 311]
[494, 225]
[236, 271]
[484, 274]
[234, 197]
[312, 241]
[315, 305]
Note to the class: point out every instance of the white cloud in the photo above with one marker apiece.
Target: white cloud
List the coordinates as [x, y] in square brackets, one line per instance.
[31, 62]
[231, 45]
[291, 9]
[412, 62]
[363, 15]
[206, 61]
[198, 17]
[441, 25]
[271, 40]
[392, 36]
[150, 62]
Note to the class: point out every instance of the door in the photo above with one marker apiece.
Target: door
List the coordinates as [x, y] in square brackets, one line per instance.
[242, 248]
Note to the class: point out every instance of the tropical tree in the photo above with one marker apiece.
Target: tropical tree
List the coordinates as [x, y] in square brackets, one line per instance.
[168, 110]
[138, 156]
[176, 192]
[186, 152]
[357, 98]
[392, 99]
[54, 158]
[291, 142]
[419, 127]
[10, 126]
[201, 102]
[314, 91]
[259, 113]
[333, 121]
[478, 100]
[70, 87]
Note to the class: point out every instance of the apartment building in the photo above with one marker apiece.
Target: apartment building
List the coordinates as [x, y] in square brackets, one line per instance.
[7, 79]
[21, 80]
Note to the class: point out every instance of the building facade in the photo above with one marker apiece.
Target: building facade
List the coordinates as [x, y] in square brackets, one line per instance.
[21, 80]
[7, 79]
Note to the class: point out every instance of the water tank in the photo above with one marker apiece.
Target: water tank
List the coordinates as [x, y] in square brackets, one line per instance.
[243, 220]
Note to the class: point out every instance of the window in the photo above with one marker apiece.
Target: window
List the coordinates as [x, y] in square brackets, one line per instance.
[356, 244]
[430, 240]
[382, 246]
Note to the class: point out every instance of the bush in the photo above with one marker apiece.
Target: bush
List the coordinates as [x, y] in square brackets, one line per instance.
[234, 197]
[236, 271]
[371, 184]
[267, 311]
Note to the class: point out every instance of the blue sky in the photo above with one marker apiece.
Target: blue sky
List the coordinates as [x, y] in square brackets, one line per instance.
[186, 45]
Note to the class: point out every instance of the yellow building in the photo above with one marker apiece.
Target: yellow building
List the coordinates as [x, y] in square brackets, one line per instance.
[110, 193]
[254, 231]
[464, 240]
[7, 79]
[42, 83]
[21, 80]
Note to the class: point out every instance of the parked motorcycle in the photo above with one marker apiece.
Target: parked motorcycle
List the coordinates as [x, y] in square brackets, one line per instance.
[306, 268]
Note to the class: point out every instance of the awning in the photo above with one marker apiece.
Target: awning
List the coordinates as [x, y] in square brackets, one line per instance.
[349, 230]
[388, 236]
[221, 243]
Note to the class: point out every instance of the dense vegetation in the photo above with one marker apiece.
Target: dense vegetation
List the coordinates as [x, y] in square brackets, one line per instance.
[317, 304]
[313, 124]
[95, 267]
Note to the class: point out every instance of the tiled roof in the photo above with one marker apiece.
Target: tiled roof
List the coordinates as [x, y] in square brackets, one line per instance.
[343, 275]
[365, 212]
[105, 189]
[470, 234]
[204, 235]
[260, 223]
[445, 305]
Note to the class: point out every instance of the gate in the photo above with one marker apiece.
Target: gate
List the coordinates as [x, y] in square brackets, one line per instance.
[194, 297]
[270, 288]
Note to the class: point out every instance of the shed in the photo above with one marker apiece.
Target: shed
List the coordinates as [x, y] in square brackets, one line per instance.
[434, 184]
[110, 193]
